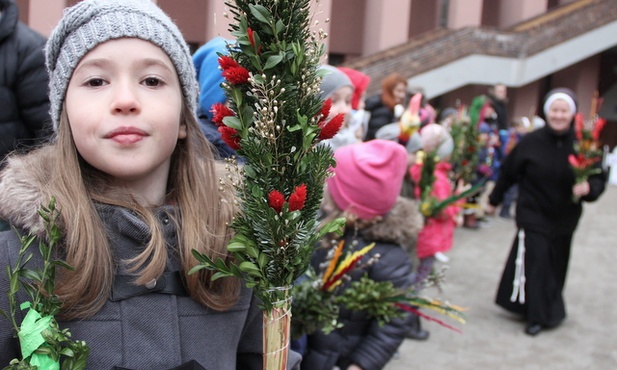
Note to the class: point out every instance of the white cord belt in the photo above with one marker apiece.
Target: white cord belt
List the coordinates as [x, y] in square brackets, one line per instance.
[518, 285]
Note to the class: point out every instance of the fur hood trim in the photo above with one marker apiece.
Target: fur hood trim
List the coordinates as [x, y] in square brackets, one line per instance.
[23, 189]
[401, 225]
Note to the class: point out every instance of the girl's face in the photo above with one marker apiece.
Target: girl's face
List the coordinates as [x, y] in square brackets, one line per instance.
[399, 92]
[341, 101]
[559, 115]
[124, 106]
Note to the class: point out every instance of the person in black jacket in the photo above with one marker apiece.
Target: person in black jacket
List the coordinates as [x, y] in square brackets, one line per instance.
[365, 189]
[381, 107]
[498, 96]
[24, 105]
[546, 215]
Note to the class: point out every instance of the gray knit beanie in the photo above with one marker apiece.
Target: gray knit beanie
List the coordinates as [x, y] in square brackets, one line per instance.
[92, 22]
[333, 80]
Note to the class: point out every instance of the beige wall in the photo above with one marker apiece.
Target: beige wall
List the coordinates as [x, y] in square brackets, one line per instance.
[386, 24]
[41, 15]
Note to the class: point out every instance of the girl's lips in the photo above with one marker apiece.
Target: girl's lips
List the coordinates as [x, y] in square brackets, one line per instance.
[126, 135]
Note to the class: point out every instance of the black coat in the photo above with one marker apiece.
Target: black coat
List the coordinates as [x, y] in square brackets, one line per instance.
[501, 110]
[24, 105]
[381, 115]
[548, 215]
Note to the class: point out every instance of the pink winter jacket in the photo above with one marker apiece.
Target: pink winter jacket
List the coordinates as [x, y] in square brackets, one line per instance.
[438, 233]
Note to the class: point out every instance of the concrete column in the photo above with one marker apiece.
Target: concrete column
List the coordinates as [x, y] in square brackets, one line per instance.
[386, 24]
[464, 13]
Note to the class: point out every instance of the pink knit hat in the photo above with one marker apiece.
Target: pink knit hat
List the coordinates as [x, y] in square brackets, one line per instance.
[368, 177]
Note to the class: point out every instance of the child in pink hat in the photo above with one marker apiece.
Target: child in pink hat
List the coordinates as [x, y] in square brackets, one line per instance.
[365, 189]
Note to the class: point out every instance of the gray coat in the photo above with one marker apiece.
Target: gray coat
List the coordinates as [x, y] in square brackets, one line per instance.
[140, 328]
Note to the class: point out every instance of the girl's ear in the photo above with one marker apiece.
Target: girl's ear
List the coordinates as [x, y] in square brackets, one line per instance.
[182, 131]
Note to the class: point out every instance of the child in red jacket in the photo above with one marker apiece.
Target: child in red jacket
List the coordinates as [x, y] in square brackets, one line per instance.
[437, 235]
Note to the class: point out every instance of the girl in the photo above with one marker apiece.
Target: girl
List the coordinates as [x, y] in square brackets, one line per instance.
[137, 188]
[336, 86]
[546, 216]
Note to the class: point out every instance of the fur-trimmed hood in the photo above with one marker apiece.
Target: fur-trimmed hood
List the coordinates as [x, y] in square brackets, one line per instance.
[401, 225]
[23, 189]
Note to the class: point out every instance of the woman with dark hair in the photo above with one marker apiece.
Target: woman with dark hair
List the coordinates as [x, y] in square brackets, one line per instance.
[546, 215]
[381, 107]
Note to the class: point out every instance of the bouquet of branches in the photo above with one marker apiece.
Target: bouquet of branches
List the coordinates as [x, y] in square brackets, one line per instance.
[44, 345]
[587, 151]
[430, 205]
[468, 159]
[457, 130]
[275, 120]
[317, 299]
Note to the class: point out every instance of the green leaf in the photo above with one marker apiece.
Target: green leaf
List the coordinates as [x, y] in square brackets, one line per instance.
[261, 13]
[262, 260]
[63, 264]
[280, 26]
[218, 275]
[31, 274]
[236, 247]
[273, 61]
[196, 268]
[233, 122]
[250, 268]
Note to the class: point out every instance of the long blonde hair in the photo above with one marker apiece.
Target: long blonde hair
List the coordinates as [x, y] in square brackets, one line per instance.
[203, 214]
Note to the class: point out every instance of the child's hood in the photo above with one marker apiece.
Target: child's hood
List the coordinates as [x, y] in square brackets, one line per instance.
[23, 189]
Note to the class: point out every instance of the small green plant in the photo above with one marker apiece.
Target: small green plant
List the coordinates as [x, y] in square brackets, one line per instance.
[44, 345]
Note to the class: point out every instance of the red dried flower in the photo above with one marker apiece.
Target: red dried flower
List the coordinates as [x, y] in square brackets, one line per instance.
[236, 75]
[579, 126]
[325, 110]
[276, 200]
[250, 31]
[230, 137]
[297, 198]
[251, 35]
[580, 162]
[220, 111]
[597, 128]
[227, 62]
[332, 127]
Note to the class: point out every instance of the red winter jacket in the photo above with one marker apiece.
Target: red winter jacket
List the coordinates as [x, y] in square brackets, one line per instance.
[438, 233]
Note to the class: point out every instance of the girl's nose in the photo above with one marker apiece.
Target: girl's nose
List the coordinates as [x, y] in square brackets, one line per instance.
[125, 99]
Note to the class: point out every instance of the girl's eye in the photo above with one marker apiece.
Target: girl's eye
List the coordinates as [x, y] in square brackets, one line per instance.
[95, 82]
[152, 82]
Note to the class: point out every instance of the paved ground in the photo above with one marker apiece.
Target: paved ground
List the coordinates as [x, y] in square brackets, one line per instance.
[494, 339]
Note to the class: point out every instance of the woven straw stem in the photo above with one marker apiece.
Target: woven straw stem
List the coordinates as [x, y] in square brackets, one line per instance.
[276, 329]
